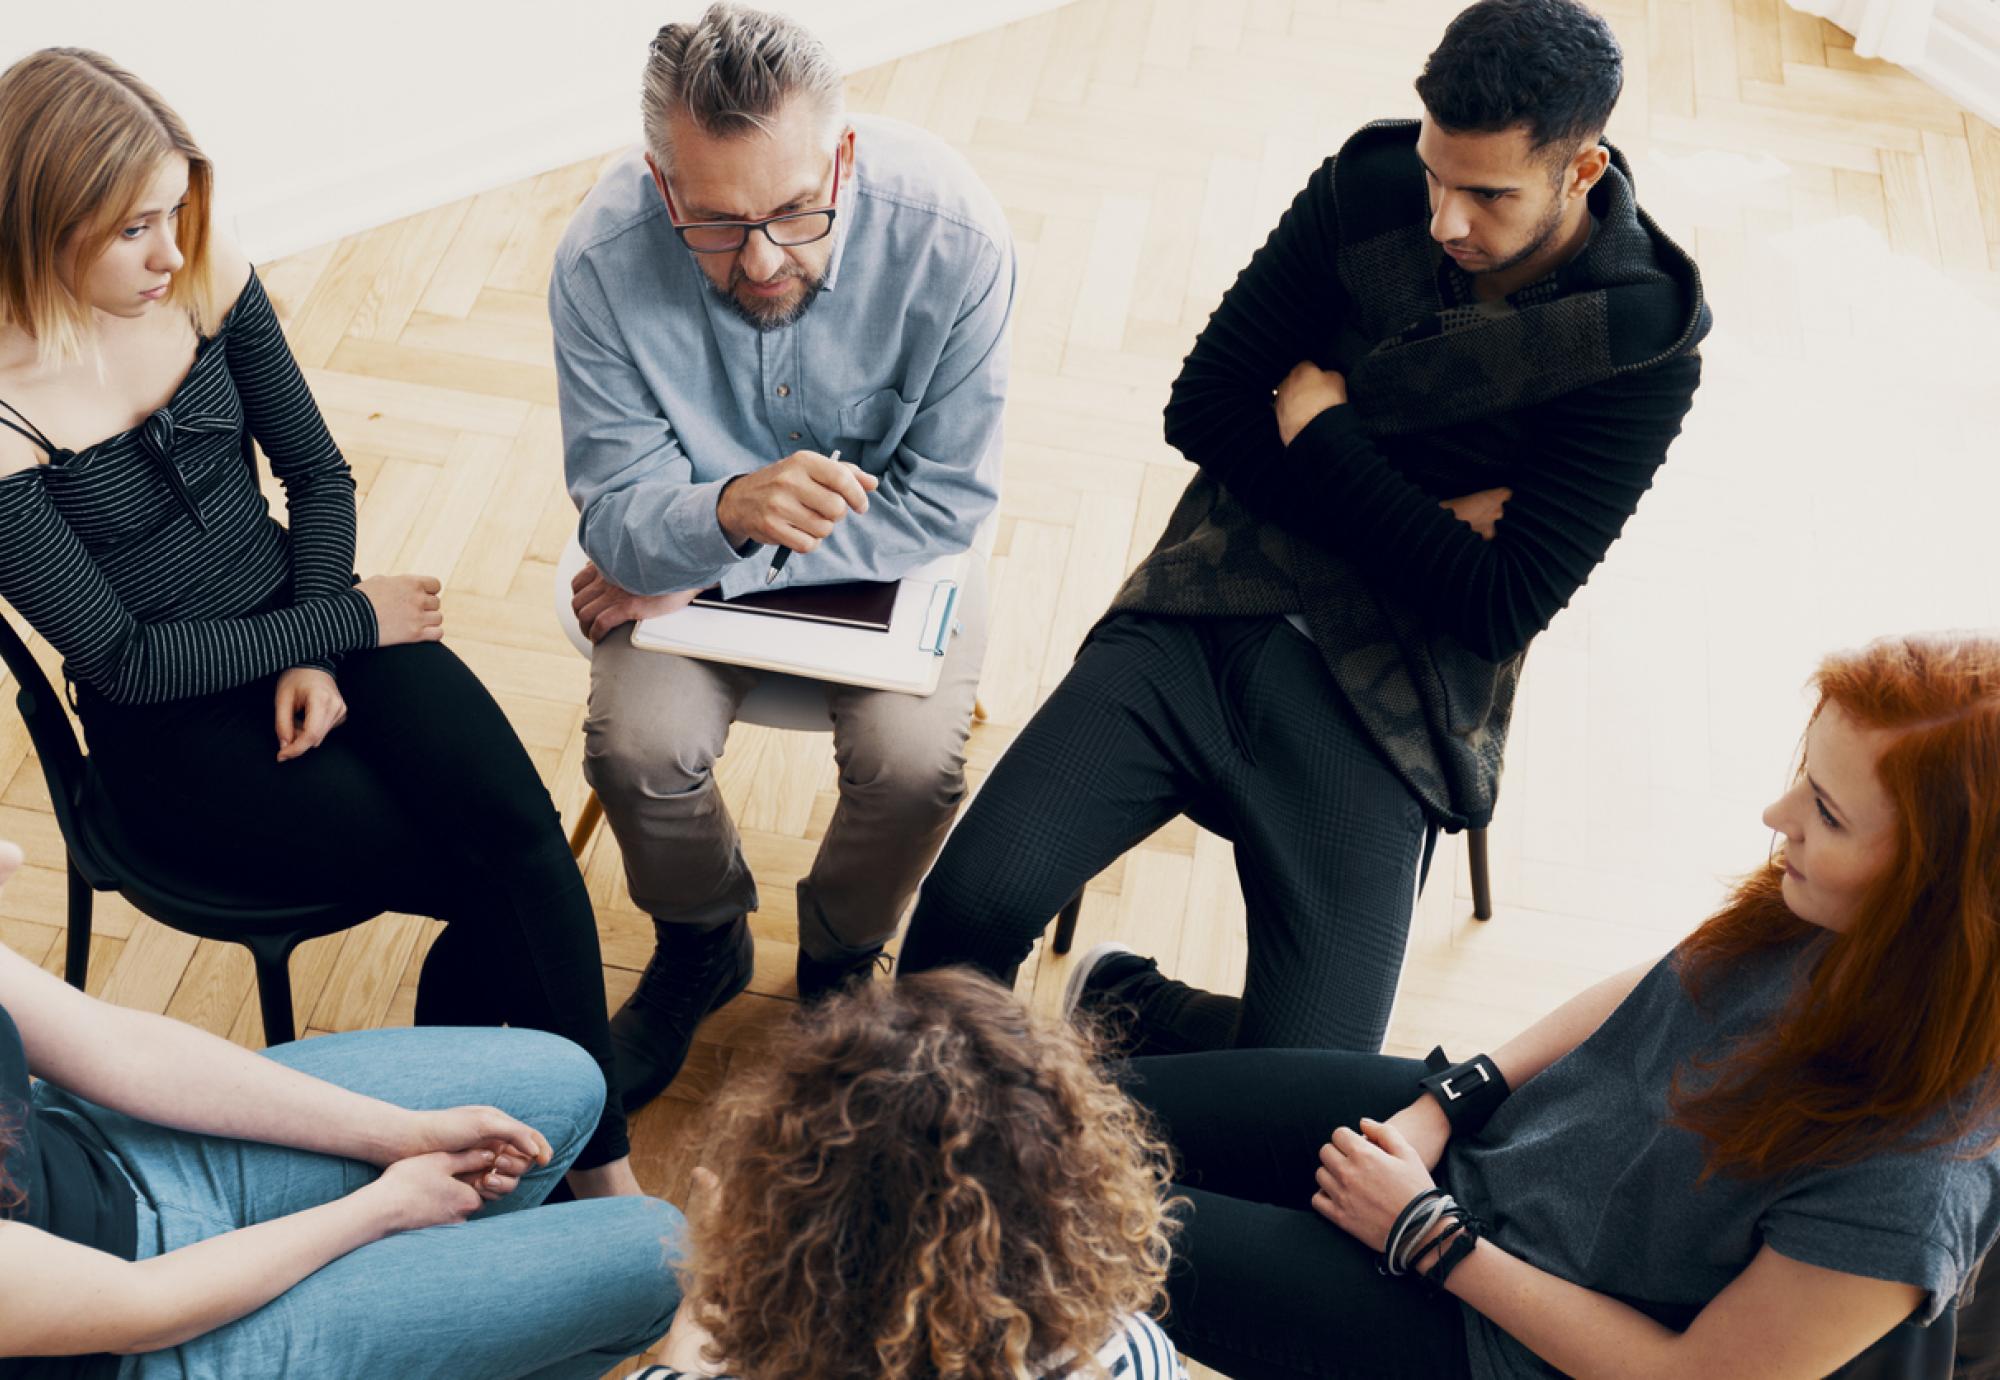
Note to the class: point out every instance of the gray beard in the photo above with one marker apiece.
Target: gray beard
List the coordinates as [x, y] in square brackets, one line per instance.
[766, 320]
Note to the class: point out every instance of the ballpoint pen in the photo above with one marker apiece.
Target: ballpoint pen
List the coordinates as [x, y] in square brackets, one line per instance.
[785, 552]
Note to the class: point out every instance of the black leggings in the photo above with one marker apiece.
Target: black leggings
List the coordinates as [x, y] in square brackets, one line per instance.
[1263, 1287]
[423, 802]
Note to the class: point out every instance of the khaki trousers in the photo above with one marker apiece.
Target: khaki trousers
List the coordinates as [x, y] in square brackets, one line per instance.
[657, 725]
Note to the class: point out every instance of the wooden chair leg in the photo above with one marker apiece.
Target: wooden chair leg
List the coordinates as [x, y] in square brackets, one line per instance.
[586, 825]
[1482, 885]
[76, 966]
[274, 986]
[978, 711]
[1066, 923]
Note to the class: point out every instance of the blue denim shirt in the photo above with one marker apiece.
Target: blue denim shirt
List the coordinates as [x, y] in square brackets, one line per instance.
[900, 365]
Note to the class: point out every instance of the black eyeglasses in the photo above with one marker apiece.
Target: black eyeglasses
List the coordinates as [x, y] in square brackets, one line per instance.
[787, 231]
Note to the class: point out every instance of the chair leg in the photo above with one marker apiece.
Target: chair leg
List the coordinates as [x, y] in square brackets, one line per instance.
[978, 710]
[76, 966]
[1066, 923]
[586, 825]
[1482, 885]
[274, 985]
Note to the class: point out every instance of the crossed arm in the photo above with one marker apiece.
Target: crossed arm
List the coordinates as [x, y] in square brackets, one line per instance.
[59, 1298]
[1781, 1319]
[1587, 457]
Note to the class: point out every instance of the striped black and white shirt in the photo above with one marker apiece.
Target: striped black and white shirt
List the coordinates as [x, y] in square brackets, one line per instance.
[1138, 1350]
[151, 560]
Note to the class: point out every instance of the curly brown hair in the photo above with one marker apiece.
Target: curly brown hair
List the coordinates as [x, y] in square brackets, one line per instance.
[927, 1183]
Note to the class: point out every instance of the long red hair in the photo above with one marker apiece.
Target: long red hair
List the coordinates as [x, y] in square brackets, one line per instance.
[1900, 1018]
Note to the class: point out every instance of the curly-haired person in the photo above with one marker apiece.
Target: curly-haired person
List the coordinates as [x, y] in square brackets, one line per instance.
[926, 1183]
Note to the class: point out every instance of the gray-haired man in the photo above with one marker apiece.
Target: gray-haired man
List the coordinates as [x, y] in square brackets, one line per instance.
[766, 284]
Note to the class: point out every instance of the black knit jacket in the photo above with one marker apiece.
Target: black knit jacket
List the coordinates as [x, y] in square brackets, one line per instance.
[1570, 400]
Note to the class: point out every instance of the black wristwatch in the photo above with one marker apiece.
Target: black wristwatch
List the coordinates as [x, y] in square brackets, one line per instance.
[1469, 1092]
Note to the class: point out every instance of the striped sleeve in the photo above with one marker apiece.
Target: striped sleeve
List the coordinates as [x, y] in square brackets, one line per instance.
[1139, 1350]
[319, 487]
[50, 578]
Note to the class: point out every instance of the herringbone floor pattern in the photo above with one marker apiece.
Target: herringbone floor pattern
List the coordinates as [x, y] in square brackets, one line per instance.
[1847, 219]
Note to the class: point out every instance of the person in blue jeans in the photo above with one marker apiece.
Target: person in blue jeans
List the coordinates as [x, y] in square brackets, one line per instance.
[360, 1204]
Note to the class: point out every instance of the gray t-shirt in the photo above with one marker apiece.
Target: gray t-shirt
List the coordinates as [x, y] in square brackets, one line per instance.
[1579, 1173]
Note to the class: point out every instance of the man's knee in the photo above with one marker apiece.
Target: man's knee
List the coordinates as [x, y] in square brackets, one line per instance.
[920, 768]
[656, 723]
[648, 755]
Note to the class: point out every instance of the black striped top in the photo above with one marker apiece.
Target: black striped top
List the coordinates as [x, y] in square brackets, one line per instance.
[151, 560]
[1138, 1350]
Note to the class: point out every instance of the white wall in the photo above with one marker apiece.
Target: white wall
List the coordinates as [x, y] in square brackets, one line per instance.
[323, 119]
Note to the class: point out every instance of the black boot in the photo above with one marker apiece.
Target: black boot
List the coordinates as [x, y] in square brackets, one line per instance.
[817, 979]
[693, 972]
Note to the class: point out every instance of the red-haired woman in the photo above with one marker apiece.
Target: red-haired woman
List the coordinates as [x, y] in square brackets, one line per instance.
[1754, 1157]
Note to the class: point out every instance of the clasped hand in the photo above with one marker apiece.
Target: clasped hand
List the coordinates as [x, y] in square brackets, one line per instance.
[1366, 1178]
[444, 1165]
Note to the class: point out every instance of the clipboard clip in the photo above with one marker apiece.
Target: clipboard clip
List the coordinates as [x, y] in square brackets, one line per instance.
[937, 625]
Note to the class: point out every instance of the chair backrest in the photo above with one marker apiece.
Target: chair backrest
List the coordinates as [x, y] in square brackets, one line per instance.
[49, 730]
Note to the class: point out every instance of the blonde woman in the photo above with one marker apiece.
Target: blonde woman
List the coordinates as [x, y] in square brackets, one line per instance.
[265, 726]
[927, 1183]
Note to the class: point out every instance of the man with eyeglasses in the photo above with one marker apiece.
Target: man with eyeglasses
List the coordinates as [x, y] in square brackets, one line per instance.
[776, 329]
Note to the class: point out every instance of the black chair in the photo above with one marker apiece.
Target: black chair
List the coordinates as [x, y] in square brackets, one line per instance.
[1475, 851]
[101, 860]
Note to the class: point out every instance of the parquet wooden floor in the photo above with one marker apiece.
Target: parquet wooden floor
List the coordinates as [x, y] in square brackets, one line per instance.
[1827, 488]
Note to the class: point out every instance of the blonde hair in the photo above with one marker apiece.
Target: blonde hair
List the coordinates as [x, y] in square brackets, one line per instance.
[925, 1182]
[731, 72]
[80, 139]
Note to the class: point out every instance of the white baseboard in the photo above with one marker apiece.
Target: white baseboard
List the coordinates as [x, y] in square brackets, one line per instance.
[491, 149]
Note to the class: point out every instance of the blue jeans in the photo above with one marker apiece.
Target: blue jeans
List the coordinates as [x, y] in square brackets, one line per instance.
[553, 1292]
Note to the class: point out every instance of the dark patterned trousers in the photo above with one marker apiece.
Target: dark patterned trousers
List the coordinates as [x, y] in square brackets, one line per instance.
[1235, 723]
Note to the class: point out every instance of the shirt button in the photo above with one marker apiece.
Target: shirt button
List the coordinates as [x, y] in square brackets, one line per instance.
[784, 390]
[793, 437]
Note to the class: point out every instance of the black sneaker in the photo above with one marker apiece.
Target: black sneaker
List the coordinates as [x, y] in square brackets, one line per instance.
[1109, 990]
[692, 972]
[818, 979]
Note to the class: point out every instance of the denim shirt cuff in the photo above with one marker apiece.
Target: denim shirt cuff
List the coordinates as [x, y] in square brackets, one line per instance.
[695, 533]
[751, 576]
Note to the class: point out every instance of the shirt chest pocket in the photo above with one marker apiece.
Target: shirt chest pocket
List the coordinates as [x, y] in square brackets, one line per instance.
[871, 428]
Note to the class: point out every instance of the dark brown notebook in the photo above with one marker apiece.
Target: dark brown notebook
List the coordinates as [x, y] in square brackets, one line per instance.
[853, 604]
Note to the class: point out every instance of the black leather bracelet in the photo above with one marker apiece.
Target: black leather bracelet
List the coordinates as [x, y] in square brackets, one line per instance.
[1386, 1264]
[1453, 1224]
[1469, 1092]
[1462, 1243]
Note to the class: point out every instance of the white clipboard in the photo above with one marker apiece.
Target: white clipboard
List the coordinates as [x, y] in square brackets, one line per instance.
[908, 657]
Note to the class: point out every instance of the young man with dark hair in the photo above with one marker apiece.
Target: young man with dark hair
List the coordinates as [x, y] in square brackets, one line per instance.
[1422, 414]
